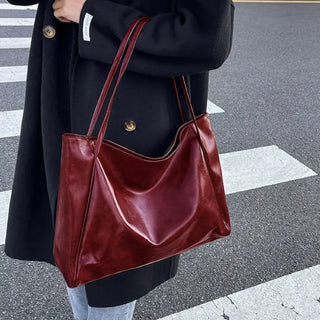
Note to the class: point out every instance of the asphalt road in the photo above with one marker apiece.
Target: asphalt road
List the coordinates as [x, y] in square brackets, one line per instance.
[269, 91]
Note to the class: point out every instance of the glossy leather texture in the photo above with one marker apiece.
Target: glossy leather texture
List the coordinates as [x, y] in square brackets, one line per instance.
[118, 210]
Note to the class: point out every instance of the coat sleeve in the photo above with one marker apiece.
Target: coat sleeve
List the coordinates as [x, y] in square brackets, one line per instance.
[195, 37]
[23, 2]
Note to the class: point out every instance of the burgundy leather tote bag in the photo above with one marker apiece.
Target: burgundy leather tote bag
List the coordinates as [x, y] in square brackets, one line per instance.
[118, 209]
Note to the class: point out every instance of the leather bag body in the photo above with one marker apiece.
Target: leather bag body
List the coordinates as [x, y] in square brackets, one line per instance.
[118, 210]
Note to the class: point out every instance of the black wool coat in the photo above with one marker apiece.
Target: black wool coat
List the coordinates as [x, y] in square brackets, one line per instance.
[68, 64]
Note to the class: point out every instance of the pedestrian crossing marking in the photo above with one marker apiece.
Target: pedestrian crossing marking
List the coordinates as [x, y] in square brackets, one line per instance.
[260, 167]
[8, 6]
[10, 123]
[15, 43]
[243, 170]
[4, 208]
[16, 21]
[13, 74]
[293, 296]
[213, 108]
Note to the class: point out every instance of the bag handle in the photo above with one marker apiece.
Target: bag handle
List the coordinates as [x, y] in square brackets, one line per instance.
[124, 65]
[112, 73]
[138, 28]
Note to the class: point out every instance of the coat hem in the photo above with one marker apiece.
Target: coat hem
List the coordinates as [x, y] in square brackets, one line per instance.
[95, 304]
[27, 258]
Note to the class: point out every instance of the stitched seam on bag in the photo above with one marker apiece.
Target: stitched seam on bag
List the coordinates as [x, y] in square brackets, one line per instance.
[84, 221]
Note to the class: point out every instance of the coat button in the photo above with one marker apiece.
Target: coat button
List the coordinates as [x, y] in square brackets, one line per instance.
[130, 125]
[49, 31]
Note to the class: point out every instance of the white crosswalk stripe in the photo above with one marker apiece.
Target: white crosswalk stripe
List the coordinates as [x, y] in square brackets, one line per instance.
[15, 43]
[13, 74]
[213, 108]
[16, 21]
[10, 123]
[4, 207]
[8, 6]
[260, 167]
[294, 296]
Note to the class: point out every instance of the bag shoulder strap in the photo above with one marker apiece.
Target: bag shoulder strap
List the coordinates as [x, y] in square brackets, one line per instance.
[134, 29]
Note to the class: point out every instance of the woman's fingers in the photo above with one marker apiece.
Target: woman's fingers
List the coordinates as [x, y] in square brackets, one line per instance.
[58, 7]
[67, 10]
[62, 19]
[57, 4]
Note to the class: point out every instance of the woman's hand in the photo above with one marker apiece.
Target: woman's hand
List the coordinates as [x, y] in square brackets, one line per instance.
[67, 10]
